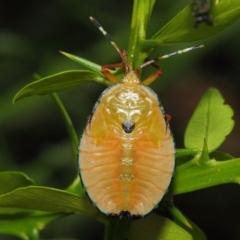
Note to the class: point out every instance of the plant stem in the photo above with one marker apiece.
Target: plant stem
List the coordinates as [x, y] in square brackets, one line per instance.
[142, 10]
[192, 176]
[117, 229]
[68, 122]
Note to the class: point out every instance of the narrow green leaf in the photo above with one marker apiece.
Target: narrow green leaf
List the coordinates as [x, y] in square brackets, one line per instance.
[158, 228]
[191, 177]
[91, 66]
[185, 223]
[26, 225]
[59, 82]
[50, 200]
[9, 181]
[221, 156]
[212, 120]
[181, 28]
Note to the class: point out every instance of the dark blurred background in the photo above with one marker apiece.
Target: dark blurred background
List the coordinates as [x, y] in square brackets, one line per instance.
[33, 138]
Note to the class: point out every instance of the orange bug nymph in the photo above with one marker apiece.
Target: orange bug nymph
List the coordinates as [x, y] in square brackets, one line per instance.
[126, 153]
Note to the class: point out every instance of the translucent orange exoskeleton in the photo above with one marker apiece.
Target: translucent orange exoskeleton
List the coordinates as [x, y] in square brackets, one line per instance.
[126, 153]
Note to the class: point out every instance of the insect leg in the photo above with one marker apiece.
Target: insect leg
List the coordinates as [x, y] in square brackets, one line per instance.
[108, 74]
[154, 75]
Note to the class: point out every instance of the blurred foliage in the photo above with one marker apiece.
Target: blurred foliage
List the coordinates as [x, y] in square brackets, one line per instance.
[33, 137]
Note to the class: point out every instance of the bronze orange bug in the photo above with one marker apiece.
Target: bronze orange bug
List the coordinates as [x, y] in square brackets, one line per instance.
[127, 153]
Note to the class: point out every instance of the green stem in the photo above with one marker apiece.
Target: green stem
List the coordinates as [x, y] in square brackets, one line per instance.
[142, 10]
[68, 122]
[195, 176]
[117, 229]
[187, 152]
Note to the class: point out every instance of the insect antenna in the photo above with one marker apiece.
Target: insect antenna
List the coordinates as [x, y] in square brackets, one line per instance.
[108, 37]
[152, 61]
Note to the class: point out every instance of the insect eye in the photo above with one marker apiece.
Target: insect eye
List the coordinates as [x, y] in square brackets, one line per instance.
[128, 126]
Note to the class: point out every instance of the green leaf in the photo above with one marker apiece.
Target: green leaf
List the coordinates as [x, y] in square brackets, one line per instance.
[91, 66]
[59, 82]
[212, 120]
[221, 156]
[25, 225]
[185, 223]
[158, 228]
[9, 181]
[153, 226]
[180, 28]
[50, 200]
[17, 221]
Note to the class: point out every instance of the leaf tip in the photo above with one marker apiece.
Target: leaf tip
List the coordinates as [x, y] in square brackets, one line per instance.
[15, 98]
[68, 55]
[64, 53]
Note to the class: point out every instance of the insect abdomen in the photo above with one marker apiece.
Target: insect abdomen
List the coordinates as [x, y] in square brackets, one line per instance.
[122, 175]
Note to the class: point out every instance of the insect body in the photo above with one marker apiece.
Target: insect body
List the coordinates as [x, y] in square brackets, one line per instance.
[126, 154]
[127, 150]
[201, 12]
